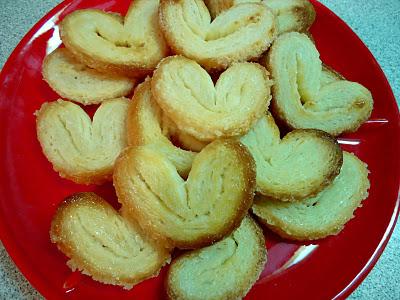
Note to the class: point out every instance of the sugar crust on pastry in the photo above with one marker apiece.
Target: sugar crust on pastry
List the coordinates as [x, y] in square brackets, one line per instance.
[107, 42]
[328, 75]
[290, 15]
[103, 245]
[322, 215]
[300, 100]
[295, 167]
[190, 143]
[79, 149]
[187, 95]
[187, 141]
[147, 125]
[224, 270]
[75, 81]
[239, 34]
[187, 213]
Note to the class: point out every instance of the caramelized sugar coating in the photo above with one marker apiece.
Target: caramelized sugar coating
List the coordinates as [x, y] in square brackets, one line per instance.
[102, 244]
[107, 42]
[79, 149]
[322, 215]
[189, 213]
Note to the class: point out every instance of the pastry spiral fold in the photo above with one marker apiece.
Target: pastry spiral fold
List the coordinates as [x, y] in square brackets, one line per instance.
[103, 245]
[290, 15]
[107, 42]
[298, 97]
[79, 149]
[77, 82]
[322, 215]
[298, 166]
[239, 34]
[193, 213]
[147, 125]
[225, 270]
[187, 95]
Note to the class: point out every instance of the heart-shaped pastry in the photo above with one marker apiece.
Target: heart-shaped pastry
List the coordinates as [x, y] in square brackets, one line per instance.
[147, 125]
[323, 215]
[193, 213]
[239, 34]
[290, 15]
[293, 168]
[79, 149]
[105, 41]
[103, 245]
[187, 95]
[225, 270]
[77, 82]
[298, 97]
[190, 143]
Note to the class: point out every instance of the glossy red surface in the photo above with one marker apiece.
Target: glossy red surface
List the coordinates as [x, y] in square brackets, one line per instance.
[30, 190]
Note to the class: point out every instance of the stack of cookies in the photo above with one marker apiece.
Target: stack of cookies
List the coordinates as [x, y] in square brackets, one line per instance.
[196, 157]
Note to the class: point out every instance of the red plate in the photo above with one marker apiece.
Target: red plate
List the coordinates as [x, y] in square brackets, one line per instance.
[30, 190]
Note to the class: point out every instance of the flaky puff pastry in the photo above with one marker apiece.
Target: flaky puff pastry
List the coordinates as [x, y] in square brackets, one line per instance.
[187, 95]
[107, 42]
[298, 166]
[189, 142]
[239, 34]
[322, 215]
[79, 149]
[75, 81]
[299, 98]
[290, 15]
[224, 270]
[148, 125]
[102, 244]
[187, 213]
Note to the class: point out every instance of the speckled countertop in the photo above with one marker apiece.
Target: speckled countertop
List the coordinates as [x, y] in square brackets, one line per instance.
[377, 23]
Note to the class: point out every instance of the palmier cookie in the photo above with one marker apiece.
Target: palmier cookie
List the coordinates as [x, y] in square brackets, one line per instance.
[225, 270]
[298, 166]
[79, 149]
[290, 15]
[109, 43]
[329, 75]
[187, 214]
[77, 82]
[300, 101]
[147, 125]
[323, 215]
[103, 245]
[239, 34]
[187, 95]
